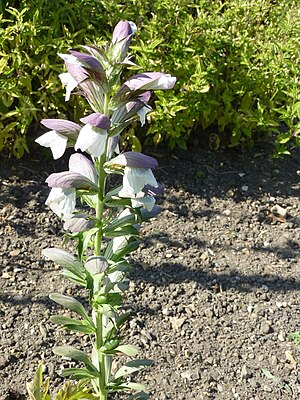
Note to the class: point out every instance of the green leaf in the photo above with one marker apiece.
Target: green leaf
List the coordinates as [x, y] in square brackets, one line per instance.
[88, 236]
[65, 260]
[78, 373]
[74, 354]
[131, 246]
[38, 390]
[70, 303]
[269, 375]
[133, 386]
[132, 366]
[124, 231]
[120, 222]
[76, 391]
[73, 324]
[73, 277]
[128, 349]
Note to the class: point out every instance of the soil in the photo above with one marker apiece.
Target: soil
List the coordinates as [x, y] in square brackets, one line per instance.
[214, 293]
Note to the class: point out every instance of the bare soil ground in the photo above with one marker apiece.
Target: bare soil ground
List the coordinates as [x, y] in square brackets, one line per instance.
[214, 293]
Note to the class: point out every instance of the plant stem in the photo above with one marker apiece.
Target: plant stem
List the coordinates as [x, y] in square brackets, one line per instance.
[101, 356]
[99, 163]
[101, 184]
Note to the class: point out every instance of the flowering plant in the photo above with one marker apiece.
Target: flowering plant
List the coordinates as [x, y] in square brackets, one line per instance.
[105, 236]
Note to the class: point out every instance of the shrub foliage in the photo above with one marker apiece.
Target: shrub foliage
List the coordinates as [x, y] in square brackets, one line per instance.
[236, 63]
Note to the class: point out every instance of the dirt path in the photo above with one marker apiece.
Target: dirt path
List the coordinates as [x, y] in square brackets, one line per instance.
[215, 289]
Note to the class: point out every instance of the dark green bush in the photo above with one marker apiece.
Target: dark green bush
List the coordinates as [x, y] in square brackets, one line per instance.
[236, 62]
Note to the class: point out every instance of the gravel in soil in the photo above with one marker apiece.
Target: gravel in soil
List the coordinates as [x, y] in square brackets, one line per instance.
[214, 293]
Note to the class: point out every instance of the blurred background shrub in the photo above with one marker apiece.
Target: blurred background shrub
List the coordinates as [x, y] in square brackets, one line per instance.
[237, 64]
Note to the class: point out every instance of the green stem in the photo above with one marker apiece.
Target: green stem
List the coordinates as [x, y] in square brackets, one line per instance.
[101, 357]
[101, 185]
[99, 163]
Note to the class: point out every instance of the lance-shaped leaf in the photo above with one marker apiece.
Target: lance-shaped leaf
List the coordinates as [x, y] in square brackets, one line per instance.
[127, 246]
[74, 354]
[70, 264]
[133, 386]
[73, 324]
[37, 389]
[132, 366]
[70, 303]
[122, 231]
[79, 373]
[121, 220]
[128, 349]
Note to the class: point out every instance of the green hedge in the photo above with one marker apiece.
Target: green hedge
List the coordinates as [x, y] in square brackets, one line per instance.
[237, 64]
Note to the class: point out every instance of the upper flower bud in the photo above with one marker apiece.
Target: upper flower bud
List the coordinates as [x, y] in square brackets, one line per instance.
[122, 30]
[121, 39]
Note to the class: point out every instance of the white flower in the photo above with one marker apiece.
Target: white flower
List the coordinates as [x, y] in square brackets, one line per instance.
[56, 142]
[92, 140]
[142, 114]
[135, 179]
[69, 82]
[62, 201]
[147, 202]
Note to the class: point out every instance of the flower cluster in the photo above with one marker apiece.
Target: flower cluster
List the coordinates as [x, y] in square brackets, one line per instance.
[106, 236]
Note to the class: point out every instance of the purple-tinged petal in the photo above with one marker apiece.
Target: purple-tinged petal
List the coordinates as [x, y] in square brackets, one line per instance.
[88, 60]
[98, 120]
[122, 30]
[112, 146]
[96, 264]
[154, 191]
[69, 179]
[82, 165]
[147, 81]
[128, 110]
[79, 223]
[150, 214]
[61, 126]
[133, 159]
[78, 73]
